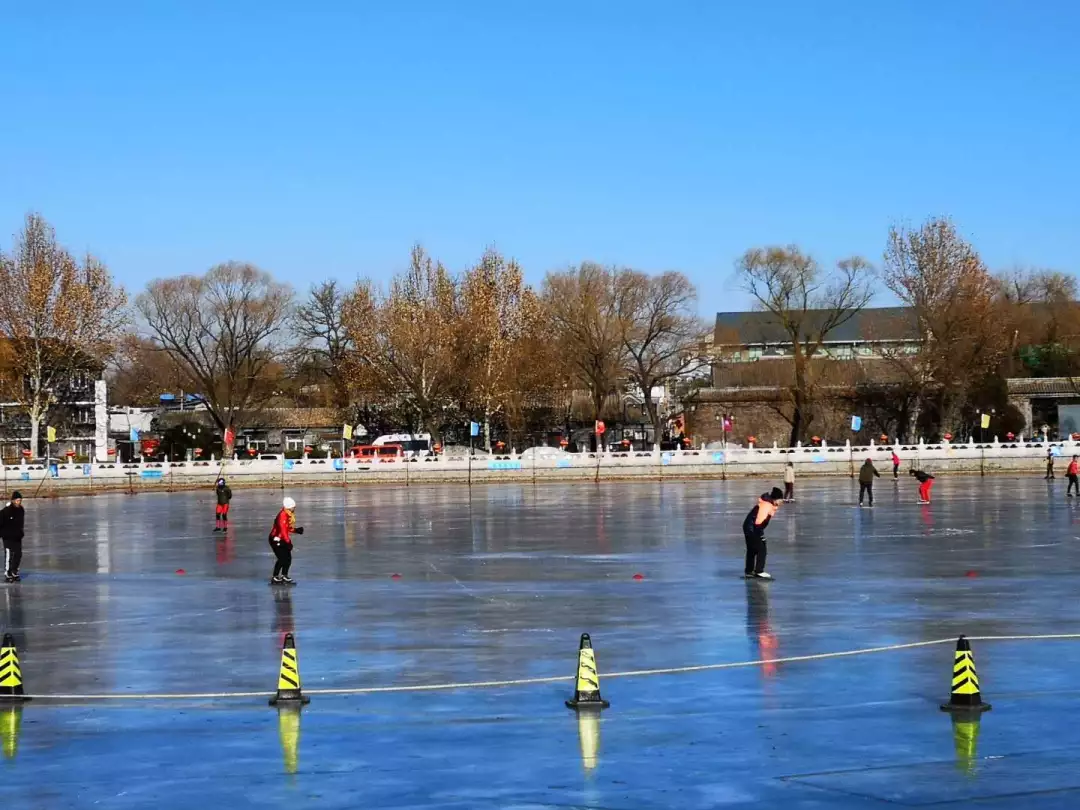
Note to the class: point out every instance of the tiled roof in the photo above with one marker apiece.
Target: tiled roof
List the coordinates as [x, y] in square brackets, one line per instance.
[296, 418]
[874, 323]
[1044, 386]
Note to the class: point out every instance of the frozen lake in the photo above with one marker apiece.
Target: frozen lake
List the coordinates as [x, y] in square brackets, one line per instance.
[496, 584]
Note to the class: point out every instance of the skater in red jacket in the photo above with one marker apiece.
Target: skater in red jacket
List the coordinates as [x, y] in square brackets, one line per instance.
[281, 542]
[926, 482]
[1073, 474]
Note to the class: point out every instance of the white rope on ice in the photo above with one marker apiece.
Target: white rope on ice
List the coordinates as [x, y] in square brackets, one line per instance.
[498, 684]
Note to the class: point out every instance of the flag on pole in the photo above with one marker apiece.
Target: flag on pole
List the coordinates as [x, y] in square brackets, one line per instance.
[50, 434]
[134, 435]
[230, 437]
[856, 424]
[985, 420]
[474, 428]
[347, 432]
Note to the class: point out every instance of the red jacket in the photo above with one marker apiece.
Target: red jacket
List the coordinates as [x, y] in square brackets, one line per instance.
[1072, 468]
[284, 523]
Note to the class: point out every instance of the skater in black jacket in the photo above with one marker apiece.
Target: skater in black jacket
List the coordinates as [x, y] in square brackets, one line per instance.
[12, 517]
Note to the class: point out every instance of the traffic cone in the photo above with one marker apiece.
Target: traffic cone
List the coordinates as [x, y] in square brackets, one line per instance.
[965, 683]
[587, 690]
[966, 741]
[288, 687]
[11, 685]
[289, 732]
[10, 723]
[588, 728]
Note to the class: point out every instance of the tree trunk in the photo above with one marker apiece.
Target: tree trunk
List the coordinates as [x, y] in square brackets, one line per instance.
[654, 417]
[487, 429]
[35, 430]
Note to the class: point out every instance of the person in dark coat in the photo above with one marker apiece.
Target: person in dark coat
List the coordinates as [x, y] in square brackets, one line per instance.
[221, 511]
[867, 473]
[12, 517]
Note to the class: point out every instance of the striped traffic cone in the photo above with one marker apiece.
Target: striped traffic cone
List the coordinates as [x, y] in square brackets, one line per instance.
[587, 690]
[11, 685]
[288, 689]
[965, 683]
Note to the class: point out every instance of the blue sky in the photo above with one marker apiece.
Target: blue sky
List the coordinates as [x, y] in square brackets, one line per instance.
[169, 136]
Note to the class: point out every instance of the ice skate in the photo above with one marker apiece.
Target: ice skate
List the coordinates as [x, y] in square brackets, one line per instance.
[288, 581]
[763, 575]
[277, 580]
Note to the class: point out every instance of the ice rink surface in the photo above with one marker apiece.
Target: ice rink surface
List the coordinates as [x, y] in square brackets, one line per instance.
[497, 584]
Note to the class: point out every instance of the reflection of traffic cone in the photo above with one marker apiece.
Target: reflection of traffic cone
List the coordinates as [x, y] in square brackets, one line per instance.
[587, 690]
[588, 729]
[966, 741]
[11, 685]
[965, 683]
[10, 722]
[288, 687]
[289, 732]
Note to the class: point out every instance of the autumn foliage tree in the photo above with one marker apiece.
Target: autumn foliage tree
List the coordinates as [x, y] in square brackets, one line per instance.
[223, 331]
[500, 316]
[60, 316]
[953, 301]
[405, 340]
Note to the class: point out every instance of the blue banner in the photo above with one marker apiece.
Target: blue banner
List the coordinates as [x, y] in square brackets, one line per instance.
[856, 423]
[474, 428]
[134, 434]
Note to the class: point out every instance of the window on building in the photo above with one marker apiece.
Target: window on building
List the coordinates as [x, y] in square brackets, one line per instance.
[84, 416]
[294, 442]
[754, 353]
[841, 352]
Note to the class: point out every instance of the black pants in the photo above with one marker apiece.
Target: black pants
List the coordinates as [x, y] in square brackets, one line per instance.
[896, 471]
[867, 489]
[283, 552]
[12, 556]
[755, 553]
[1049, 472]
[789, 491]
[1073, 482]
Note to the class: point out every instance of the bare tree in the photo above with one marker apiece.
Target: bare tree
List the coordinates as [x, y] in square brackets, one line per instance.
[221, 329]
[661, 332]
[60, 317]
[405, 341]
[582, 305]
[324, 341]
[808, 305]
[952, 297]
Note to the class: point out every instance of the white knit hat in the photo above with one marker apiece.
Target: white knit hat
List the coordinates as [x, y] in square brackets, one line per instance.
[289, 503]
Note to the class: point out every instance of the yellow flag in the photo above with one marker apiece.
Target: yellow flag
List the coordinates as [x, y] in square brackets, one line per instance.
[50, 434]
[347, 432]
[986, 420]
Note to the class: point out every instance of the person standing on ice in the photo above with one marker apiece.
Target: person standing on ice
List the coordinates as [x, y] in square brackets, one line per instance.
[895, 466]
[221, 511]
[754, 533]
[789, 483]
[281, 542]
[867, 473]
[1073, 474]
[926, 482]
[12, 517]
[1049, 465]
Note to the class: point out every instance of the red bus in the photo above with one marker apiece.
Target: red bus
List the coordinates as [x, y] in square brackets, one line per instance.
[382, 452]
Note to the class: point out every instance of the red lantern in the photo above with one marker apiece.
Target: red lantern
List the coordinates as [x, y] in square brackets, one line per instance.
[500, 444]
[112, 451]
[198, 452]
[563, 442]
[947, 437]
[884, 437]
[751, 439]
[1010, 435]
[26, 453]
[437, 448]
[816, 440]
[70, 454]
[252, 451]
[307, 448]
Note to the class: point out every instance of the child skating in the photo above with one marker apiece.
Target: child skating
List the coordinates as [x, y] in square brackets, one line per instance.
[281, 542]
[926, 482]
[12, 518]
[895, 465]
[754, 533]
[789, 483]
[1073, 474]
[221, 511]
